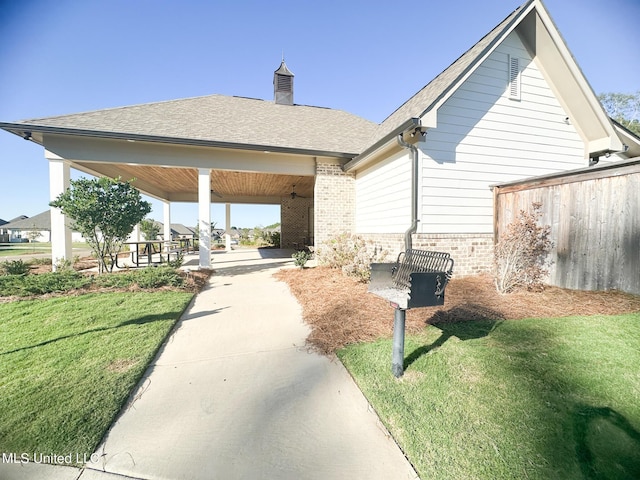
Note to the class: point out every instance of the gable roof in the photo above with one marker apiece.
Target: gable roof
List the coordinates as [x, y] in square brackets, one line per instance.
[218, 120]
[41, 221]
[543, 40]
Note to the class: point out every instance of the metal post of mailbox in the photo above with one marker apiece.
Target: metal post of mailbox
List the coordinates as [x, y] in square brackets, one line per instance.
[397, 361]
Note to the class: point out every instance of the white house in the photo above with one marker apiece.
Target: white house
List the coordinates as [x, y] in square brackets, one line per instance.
[515, 105]
[33, 229]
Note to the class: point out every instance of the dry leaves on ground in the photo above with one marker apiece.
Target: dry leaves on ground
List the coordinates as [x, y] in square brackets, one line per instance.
[340, 311]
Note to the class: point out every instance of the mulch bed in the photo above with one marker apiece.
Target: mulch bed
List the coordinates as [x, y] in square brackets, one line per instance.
[340, 311]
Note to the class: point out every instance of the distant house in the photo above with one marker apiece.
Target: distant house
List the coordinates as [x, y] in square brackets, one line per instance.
[4, 237]
[32, 229]
[180, 231]
[515, 105]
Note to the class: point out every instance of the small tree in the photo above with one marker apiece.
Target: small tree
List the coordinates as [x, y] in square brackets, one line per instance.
[33, 235]
[150, 229]
[520, 254]
[105, 211]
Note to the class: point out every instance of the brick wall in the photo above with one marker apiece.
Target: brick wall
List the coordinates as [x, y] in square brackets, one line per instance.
[472, 253]
[295, 222]
[334, 200]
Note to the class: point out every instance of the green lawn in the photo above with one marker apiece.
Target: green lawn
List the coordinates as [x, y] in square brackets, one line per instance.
[68, 364]
[530, 399]
[27, 250]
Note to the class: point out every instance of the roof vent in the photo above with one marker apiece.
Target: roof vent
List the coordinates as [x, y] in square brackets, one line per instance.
[283, 85]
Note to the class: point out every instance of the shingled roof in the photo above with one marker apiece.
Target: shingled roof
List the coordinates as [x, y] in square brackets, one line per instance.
[224, 119]
[41, 221]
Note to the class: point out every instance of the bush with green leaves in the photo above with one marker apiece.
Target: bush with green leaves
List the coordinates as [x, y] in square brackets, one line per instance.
[520, 256]
[301, 257]
[350, 253]
[14, 267]
[177, 261]
[51, 282]
[149, 277]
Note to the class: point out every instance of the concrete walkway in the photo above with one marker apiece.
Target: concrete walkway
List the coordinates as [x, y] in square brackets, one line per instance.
[234, 394]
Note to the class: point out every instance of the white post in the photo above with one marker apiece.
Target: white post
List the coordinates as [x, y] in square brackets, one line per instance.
[166, 211]
[135, 235]
[59, 181]
[204, 216]
[227, 227]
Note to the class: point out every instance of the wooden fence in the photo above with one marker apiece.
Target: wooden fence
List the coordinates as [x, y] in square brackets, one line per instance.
[594, 216]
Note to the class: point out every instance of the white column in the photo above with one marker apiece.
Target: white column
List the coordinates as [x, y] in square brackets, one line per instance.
[166, 218]
[204, 216]
[135, 234]
[59, 181]
[227, 227]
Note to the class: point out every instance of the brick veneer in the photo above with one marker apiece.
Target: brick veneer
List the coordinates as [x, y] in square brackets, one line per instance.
[472, 253]
[294, 221]
[334, 200]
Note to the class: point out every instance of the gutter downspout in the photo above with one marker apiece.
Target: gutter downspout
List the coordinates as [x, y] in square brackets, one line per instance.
[414, 189]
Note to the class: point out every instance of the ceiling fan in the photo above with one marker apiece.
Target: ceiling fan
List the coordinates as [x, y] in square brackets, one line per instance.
[293, 193]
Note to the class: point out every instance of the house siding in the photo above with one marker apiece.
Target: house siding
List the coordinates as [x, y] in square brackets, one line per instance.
[484, 137]
[383, 196]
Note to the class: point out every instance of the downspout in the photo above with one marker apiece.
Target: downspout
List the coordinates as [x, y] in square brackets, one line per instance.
[414, 188]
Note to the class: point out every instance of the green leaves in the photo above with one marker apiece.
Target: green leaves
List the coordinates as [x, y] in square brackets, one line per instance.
[104, 210]
[624, 108]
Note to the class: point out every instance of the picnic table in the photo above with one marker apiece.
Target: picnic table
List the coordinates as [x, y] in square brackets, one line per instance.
[152, 252]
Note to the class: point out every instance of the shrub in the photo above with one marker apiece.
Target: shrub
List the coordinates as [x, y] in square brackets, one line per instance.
[149, 277]
[40, 261]
[62, 264]
[10, 285]
[51, 282]
[351, 253]
[154, 277]
[176, 262]
[520, 254]
[14, 267]
[301, 257]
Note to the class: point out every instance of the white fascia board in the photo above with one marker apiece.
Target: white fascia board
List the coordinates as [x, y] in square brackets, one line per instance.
[610, 140]
[99, 150]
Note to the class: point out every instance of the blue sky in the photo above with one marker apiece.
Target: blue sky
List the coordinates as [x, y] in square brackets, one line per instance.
[365, 57]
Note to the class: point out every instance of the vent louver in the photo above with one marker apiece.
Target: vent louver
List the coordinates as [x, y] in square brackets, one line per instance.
[514, 78]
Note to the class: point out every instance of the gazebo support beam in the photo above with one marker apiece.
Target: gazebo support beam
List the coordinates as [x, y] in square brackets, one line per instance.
[59, 181]
[204, 216]
[227, 227]
[166, 219]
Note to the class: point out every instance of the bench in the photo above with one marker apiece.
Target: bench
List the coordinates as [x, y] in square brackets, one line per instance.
[417, 279]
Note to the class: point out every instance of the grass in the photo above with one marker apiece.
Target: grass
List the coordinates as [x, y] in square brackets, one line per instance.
[68, 364]
[13, 251]
[536, 399]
